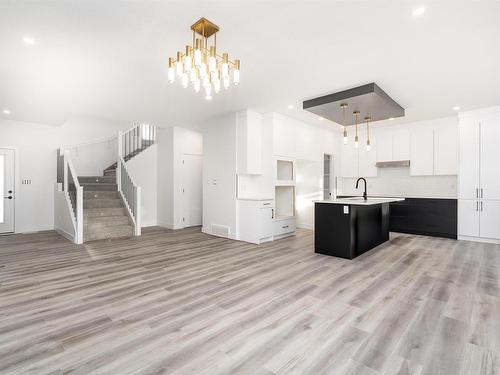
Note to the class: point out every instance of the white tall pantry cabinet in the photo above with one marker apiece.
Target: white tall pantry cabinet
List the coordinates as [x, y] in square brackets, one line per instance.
[479, 175]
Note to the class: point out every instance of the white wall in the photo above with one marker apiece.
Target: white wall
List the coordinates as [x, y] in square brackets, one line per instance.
[143, 170]
[36, 146]
[173, 143]
[165, 169]
[91, 159]
[219, 174]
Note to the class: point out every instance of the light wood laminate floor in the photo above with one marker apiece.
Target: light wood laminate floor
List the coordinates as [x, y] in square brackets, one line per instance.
[187, 303]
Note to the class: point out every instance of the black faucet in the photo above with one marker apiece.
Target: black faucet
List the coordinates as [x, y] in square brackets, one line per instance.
[365, 196]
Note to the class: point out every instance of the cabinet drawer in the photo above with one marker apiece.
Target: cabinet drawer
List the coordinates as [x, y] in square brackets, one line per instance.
[265, 204]
[284, 226]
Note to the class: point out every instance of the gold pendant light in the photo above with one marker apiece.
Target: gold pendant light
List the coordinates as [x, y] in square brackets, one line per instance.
[356, 139]
[201, 65]
[344, 107]
[368, 144]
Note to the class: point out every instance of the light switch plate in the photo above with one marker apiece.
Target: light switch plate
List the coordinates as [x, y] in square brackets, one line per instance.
[346, 210]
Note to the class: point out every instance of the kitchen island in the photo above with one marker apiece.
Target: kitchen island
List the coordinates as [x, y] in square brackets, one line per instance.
[349, 227]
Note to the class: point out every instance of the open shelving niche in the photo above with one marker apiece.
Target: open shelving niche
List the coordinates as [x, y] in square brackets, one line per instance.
[284, 189]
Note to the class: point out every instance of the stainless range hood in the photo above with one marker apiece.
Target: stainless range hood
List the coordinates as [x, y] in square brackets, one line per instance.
[393, 164]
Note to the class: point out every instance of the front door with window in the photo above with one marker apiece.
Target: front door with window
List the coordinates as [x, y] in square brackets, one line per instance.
[7, 192]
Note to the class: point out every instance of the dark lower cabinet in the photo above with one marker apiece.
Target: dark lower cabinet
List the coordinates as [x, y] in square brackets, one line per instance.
[430, 217]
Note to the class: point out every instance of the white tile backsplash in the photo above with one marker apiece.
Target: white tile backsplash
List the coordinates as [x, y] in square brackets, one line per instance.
[398, 182]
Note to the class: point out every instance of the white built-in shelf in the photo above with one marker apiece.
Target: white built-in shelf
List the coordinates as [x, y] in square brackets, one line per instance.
[284, 202]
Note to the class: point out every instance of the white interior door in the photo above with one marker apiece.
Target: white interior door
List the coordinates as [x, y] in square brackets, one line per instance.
[192, 203]
[7, 192]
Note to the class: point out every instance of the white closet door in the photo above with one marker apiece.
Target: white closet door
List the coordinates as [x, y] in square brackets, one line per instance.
[490, 219]
[192, 203]
[490, 158]
[468, 216]
[468, 176]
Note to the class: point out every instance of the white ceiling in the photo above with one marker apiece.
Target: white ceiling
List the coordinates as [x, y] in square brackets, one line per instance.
[107, 59]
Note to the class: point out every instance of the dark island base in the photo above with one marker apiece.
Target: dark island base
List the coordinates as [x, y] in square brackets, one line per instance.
[348, 235]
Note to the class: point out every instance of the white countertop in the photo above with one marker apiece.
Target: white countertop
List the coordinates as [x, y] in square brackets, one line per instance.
[359, 201]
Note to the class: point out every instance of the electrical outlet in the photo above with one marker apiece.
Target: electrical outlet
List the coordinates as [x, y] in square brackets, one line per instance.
[26, 182]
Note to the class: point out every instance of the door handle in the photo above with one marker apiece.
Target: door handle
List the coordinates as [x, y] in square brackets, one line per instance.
[10, 197]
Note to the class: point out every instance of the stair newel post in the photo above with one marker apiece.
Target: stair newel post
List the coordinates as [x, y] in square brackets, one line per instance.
[137, 210]
[79, 214]
[65, 164]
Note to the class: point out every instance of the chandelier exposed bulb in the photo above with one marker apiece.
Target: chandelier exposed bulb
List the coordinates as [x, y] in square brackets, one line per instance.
[171, 70]
[201, 65]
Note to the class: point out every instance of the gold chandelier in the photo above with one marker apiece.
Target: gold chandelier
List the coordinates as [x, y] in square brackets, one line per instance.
[201, 65]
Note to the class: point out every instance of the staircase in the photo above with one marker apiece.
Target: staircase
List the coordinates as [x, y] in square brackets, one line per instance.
[104, 214]
[107, 206]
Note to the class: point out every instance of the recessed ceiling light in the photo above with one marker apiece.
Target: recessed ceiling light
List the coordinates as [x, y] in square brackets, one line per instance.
[28, 40]
[456, 108]
[418, 11]
[6, 112]
[391, 118]
[290, 106]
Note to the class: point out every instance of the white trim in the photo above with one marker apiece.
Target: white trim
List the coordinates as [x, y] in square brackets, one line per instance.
[479, 239]
[17, 182]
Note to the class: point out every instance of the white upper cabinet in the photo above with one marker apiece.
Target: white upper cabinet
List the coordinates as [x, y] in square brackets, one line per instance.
[349, 161]
[249, 143]
[490, 158]
[384, 145]
[284, 136]
[307, 142]
[401, 145]
[422, 152]
[446, 150]
[367, 159]
[468, 175]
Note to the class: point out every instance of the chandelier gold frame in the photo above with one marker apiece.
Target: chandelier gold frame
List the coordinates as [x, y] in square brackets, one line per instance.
[202, 62]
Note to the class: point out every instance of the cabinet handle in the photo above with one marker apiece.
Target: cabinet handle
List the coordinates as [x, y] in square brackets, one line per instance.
[477, 192]
[481, 205]
[477, 206]
[285, 226]
[266, 204]
[272, 213]
[481, 192]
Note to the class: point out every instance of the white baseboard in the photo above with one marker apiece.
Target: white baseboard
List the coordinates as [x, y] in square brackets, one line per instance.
[305, 226]
[479, 239]
[65, 234]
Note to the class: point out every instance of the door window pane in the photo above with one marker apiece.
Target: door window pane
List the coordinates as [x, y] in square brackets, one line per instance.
[2, 185]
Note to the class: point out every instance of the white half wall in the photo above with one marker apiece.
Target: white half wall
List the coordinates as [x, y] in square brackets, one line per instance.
[64, 221]
[143, 170]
